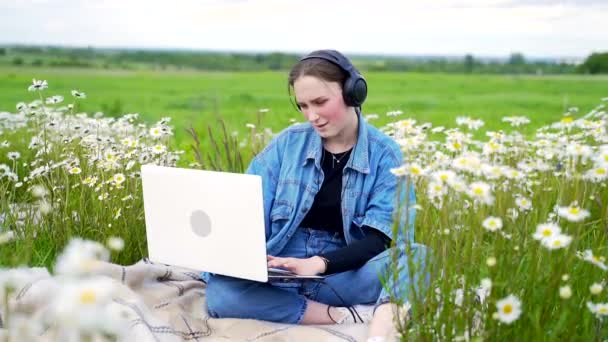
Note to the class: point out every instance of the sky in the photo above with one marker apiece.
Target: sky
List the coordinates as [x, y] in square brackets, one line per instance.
[491, 28]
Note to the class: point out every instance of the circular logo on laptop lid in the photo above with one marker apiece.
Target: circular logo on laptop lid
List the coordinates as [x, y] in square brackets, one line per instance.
[200, 223]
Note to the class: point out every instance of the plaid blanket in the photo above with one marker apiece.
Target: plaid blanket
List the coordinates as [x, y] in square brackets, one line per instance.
[167, 303]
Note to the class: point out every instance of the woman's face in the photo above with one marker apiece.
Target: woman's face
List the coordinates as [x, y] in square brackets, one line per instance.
[323, 106]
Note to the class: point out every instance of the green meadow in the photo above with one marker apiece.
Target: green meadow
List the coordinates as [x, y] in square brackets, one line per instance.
[197, 99]
[517, 229]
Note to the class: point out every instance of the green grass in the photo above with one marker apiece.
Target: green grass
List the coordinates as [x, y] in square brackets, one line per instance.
[449, 224]
[196, 98]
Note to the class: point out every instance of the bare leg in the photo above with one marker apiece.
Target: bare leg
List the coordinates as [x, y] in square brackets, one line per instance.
[316, 313]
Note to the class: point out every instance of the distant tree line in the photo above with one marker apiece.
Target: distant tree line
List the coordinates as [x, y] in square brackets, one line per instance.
[516, 63]
[597, 63]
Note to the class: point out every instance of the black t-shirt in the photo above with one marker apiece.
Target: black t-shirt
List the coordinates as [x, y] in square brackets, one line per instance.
[326, 214]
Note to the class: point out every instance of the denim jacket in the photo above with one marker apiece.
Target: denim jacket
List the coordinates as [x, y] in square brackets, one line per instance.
[291, 177]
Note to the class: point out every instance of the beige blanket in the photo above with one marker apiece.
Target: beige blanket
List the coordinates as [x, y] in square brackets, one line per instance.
[165, 303]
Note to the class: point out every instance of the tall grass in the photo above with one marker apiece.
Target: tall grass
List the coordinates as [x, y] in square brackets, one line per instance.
[517, 229]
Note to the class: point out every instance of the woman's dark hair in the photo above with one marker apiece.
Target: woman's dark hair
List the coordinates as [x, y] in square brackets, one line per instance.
[319, 68]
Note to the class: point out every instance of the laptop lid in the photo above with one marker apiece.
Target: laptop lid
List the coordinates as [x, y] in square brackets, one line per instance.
[205, 220]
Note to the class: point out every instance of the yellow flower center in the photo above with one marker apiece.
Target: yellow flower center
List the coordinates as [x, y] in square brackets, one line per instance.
[574, 210]
[478, 191]
[415, 170]
[88, 297]
[443, 177]
[547, 232]
[600, 171]
[557, 243]
[603, 310]
[567, 119]
[507, 309]
[457, 145]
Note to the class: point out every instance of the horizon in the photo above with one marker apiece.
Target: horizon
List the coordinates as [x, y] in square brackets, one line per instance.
[348, 53]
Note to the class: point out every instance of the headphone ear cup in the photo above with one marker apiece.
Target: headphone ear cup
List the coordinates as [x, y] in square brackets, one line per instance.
[347, 92]
[359, 91]
[355, 91]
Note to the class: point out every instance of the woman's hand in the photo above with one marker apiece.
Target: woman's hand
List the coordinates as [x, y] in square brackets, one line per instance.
[309, 266]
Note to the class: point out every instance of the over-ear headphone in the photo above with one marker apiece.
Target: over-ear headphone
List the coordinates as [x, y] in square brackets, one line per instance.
[354, 90]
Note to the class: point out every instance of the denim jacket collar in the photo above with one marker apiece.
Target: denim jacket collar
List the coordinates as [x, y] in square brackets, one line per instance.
[359, 159]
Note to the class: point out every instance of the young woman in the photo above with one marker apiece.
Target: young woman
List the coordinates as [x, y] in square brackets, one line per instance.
[329, 201]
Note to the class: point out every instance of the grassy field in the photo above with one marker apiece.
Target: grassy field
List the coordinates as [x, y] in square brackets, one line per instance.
[517, 227]
[195, 98]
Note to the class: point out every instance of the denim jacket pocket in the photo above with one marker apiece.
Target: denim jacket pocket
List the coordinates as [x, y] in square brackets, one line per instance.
[280, 211]
[279, 216]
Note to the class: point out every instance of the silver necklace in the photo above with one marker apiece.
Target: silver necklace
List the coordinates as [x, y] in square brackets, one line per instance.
[335, 160]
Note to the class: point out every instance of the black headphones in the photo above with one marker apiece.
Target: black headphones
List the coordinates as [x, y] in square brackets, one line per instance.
[354, 90]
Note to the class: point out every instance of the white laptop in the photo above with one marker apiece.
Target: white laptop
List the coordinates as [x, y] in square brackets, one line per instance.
[208, 221]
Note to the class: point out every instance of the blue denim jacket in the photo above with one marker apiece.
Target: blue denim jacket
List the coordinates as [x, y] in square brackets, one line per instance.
[291, 177]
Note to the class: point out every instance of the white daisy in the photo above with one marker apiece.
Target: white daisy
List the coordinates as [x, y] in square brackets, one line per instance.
[415, 170]
[546, 230]
[597, 174]
[480, 191]
[90, 181]
[156, 132]
[436, 189]
[78, 94]
[492, 223]
[599, 309]
[492, 171]
[443, 176]
[38, 85]
[596, 288]
[74, 170]
[516, 121]
[523, 203]
[118, 178]
[492, 147]
[557, 241]
[54, 99]
[573, 213]
[508, 309]
[13, 155]
[159, 149]
[588, 256]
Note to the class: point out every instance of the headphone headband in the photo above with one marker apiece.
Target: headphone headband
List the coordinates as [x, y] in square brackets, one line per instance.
[354, 89]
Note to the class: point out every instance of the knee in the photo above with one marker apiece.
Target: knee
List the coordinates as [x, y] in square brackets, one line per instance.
[225, 296]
